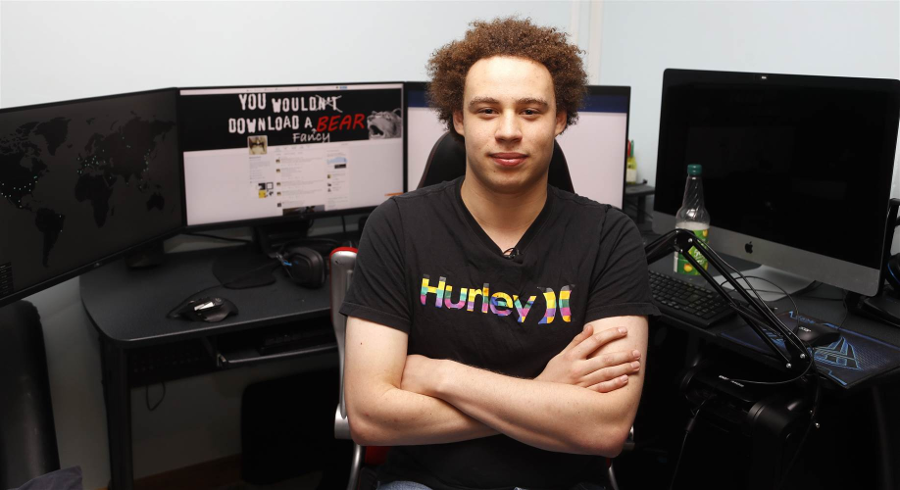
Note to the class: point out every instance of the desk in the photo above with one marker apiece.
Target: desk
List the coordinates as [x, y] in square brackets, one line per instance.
[809, 305]
[860, 431]
[128, 308]
[639, 193]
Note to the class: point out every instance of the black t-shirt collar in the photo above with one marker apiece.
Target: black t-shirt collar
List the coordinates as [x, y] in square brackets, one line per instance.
[533, 230]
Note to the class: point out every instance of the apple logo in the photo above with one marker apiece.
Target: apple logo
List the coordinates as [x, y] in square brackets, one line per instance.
[748, 247]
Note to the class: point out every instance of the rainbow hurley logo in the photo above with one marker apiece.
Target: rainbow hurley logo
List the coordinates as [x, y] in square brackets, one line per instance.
[499, 303]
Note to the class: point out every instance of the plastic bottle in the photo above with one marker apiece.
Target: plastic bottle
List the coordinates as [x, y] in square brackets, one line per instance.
[694, 217]
[631, 165]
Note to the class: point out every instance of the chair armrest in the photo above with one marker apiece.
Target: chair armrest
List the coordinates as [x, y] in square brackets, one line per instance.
[341, 261]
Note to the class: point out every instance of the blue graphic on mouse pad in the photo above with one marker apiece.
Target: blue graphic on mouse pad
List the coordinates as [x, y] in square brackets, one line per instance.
[851, 359]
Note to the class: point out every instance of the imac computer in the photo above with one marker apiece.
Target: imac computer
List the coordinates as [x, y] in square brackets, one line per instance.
[796, 170]
[83, 181]
[259, 155]
[595, 147]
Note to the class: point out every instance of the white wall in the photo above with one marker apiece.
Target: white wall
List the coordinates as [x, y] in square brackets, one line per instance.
[643, 38]
[57, 51]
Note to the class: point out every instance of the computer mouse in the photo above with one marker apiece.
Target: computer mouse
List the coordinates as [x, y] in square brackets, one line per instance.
[817, 335]
[207, 309]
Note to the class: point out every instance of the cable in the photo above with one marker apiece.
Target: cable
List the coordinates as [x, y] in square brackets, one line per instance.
[812, 422]
[812, 362]
[687, 431]
[812, 358]
[739, 273]
[147, 397]
[227, 239]
[846, 312]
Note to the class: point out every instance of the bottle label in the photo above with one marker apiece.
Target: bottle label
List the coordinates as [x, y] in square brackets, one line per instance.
[682, 266]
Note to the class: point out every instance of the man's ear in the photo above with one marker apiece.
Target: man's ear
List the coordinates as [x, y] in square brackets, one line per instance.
[560, 121]
[458, 122]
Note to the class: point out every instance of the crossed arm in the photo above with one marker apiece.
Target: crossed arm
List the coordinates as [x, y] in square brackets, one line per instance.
[584, 401]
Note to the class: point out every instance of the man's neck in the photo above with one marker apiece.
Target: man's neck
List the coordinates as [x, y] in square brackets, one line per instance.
[504, 217]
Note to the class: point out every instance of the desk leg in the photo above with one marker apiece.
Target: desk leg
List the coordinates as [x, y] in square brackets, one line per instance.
[641, 208]
[118, 416]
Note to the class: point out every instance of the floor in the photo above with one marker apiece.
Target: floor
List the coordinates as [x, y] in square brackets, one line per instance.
[221, 474]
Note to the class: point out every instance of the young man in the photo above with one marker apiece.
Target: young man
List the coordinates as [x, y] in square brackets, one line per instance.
[484, 372]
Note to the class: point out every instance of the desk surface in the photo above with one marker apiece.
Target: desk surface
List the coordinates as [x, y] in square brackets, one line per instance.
[823, 303]
[129, 306]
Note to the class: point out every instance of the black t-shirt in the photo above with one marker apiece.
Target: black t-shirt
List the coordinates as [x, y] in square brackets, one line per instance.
[426, 267]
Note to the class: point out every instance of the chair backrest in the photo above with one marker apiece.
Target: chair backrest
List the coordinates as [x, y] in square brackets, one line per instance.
[447, 161]
[28, 446]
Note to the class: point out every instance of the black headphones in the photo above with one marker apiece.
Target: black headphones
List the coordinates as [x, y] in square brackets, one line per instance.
[303, 265]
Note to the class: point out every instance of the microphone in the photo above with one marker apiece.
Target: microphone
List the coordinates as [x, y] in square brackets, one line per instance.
[513, 254]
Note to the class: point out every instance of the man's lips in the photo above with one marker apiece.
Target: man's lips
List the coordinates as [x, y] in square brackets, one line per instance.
[508, 159]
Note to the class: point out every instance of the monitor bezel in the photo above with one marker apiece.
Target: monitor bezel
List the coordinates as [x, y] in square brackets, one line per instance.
[846, 275]
[293, 218]
[592, 90]
[407, 88]
[105, 259]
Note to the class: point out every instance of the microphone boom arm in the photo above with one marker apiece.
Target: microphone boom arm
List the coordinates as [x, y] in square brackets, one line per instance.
[757, 315]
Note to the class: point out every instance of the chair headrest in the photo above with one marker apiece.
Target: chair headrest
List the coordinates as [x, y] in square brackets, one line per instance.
[447, 161]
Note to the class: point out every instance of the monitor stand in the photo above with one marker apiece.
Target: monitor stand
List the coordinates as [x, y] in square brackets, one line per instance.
[791, 283]
[271, 238]
[253, 265]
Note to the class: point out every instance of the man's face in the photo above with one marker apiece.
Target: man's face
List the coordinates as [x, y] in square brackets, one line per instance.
[509, 120]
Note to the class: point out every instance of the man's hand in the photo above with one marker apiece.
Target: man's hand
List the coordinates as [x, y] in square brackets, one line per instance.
[603, 373]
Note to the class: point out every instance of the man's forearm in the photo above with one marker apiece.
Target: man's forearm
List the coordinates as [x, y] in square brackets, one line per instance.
[551, 416]
[399, 418]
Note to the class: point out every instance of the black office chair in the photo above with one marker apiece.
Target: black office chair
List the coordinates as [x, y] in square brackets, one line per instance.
[27, 431]
[447, 161]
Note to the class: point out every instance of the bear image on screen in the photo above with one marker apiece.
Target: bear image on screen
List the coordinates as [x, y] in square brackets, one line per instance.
[82, 180]
[384, 124]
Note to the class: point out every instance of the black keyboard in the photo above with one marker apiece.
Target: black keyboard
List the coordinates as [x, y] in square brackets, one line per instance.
[693, 304]
[278, 340]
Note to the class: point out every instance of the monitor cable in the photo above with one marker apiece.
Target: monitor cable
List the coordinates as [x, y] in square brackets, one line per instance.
[227, 239]
[147, 397]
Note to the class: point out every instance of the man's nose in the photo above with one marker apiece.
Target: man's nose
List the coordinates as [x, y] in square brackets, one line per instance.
[509, 129]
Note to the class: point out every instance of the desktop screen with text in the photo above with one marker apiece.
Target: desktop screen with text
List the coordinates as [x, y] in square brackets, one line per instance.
[269, 152]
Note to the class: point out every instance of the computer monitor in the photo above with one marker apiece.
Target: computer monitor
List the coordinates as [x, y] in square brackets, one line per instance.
[83, 181]
[796, 169]
[595, 147]
[256, 155]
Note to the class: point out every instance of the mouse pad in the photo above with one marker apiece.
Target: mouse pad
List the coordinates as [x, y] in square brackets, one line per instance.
[241, 269]
[851, 359]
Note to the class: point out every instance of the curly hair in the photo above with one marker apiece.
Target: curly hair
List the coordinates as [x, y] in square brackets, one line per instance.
[508, 36]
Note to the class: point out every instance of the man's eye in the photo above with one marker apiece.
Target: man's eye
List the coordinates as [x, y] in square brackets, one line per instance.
[487, 111]
[530, 112]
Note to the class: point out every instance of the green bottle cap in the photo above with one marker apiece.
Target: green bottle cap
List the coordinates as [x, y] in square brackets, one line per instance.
[695, 169]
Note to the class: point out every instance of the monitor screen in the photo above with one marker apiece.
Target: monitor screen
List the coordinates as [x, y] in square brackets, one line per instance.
[83, 180]
[260, 154]
[595, 147]
[796, 169]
